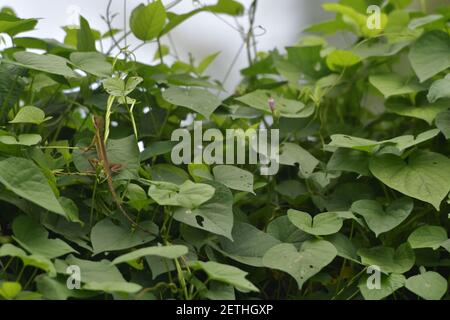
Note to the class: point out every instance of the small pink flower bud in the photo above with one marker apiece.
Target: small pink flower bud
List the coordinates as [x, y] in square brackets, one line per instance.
[271, 104]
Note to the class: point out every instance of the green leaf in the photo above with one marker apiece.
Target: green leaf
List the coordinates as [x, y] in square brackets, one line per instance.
[405, 142]
[189, 194]
[361, 144]
[430, 54]
[168, 252]
[102, 271]
[440, 89]
[229, 7]
[112, 287]
[388, 259]
[349, 160]
[287, 108]
[204, 64]
[313, 256]
[215, 215]
[106, 236]
[427, 112]
[249, 244]
[393, 84]
[157, 148]
[429, 285]
[425, 176]
[423, 21]
[46, 62]
[12, 25]
[101, 276]
[322, 224]
[282, 229]
[56, 289]
[34, 238]
[377, 48]
[147, 21]
[443, 123]
[382, 220]
[291, 189]
[292, 155]
[92, 62]
[22, 177]
[200, 172]
[120, 88]
[30, 114]
[165, 172]
[220, 291]
[346, 141]
[9, 290]
[388, 285]
[85, 38]
[427, 237]
[28, 260]
[234, 177]
[356, 19]
[341, 59]
[303, 59]
[199, 100]
[22, 140]
[226, 274]
[344, 247]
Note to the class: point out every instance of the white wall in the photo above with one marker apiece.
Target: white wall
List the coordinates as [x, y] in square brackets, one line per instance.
[283, 21]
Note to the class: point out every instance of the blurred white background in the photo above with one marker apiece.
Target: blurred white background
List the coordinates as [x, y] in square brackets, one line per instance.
[203, 34]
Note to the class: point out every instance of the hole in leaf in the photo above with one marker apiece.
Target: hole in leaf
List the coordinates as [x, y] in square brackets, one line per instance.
[200, 220]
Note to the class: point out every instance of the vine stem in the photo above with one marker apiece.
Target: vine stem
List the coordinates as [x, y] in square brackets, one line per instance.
[348, 284]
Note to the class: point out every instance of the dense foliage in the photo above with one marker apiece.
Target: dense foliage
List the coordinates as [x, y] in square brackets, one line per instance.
[364, 171]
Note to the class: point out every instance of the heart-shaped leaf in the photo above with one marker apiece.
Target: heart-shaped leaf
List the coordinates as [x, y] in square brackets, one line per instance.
[199, 100]
[439, 89]
[45, 62]
[25, 179]
[234, 177]
[382, 220]
[106, 236]
[425, 176]
[147, 21]
[429, 285]
[393, 84]
[249, 244]
[226, 274]
[188, 195]
[388, 285]
[430, 54]
[425, 111]
[292, 154]
[322, 224]
[9, 290]
[168, 252]
[36, 261]
[443, 123]
[34, 238]
[388, 259]
[428, 237]
[22, 140]
[215, 215]
[120, 88]
[30, 114]
[287, 108]
[92, 62]
[313, 256]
